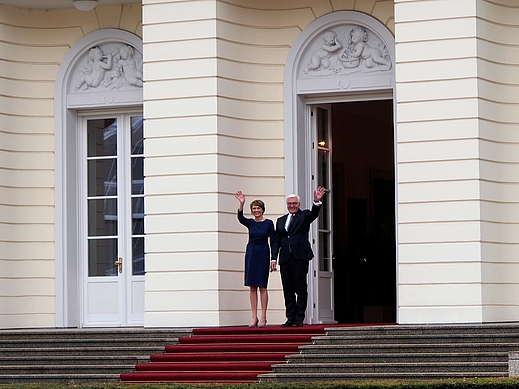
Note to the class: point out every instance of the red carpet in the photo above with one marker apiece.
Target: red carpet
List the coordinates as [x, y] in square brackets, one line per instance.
[224, 355]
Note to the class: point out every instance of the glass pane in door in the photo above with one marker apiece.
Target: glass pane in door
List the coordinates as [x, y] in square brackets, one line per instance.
[102, 204]
[102, 217]
[324, 250]
[100, 257]
[323, 174]
[323, 167]
[137, 172]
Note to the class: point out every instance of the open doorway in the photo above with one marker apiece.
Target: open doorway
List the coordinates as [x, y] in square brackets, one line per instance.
[359, 94]
[363, 183]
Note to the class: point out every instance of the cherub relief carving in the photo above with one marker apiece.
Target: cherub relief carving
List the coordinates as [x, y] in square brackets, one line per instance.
[128, 66]
[122, 68]
[321, 58]
[95, 69]
[358, 51]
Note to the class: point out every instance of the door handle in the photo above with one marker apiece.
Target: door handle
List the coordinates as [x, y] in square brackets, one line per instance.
[119, 263]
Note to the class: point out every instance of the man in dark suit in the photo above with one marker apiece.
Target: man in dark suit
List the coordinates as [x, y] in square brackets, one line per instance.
[291, 244]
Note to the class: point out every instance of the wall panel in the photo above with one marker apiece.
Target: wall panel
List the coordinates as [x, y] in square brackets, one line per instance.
[34, 43]
[244, 47]
[475, 102]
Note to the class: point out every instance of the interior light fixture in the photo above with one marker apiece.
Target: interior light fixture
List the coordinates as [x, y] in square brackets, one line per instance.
[85, 5]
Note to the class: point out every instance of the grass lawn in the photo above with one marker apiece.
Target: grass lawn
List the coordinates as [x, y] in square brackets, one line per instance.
[472, 383]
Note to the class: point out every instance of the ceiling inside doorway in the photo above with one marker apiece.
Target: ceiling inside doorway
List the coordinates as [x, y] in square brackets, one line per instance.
[53, 4]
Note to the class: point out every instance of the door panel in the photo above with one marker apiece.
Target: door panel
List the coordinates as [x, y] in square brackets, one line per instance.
[113, 219]
[323, 274]
[106, 291]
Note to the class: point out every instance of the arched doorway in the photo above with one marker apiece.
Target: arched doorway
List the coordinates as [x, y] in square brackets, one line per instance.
[339, 126]
[99, 182]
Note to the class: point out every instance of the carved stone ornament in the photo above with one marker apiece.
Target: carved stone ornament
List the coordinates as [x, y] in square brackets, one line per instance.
[113, 66]
[344, 50]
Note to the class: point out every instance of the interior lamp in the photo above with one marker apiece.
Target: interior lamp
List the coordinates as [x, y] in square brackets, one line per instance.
[85, 5]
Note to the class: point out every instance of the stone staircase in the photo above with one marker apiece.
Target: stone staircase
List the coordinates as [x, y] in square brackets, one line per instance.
[344, 353]
[75, 356]
[402, 352]
[224, 355]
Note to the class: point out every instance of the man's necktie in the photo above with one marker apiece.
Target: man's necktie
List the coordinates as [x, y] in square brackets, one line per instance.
[289, 219]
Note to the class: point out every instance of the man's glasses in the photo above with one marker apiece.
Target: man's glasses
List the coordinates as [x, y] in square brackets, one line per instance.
[292, 203]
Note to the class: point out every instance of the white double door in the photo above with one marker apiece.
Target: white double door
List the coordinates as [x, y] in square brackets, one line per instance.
[321, 290]
[111, 214]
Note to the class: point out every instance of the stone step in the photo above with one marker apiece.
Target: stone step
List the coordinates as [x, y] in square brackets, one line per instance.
[463, 329]
[431, 367]
[320, 377]
[103, 333]
[396, 357]
[83, 343]
[79, 351]
[57, 378]
[126, 360]
[409, 348]
[417, 339]
[64, 369]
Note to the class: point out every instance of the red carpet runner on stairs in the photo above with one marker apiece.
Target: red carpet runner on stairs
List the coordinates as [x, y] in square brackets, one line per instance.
[224, 355]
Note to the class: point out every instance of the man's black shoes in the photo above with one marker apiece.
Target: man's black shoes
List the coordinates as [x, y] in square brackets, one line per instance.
[290, 323]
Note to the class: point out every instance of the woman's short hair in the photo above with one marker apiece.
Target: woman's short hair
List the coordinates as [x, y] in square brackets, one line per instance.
[258, 203]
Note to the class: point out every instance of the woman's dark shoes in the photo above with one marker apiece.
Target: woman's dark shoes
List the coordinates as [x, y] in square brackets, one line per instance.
[254, 324]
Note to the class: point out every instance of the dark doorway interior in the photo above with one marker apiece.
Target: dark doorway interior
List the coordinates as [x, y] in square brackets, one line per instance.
[364, 212]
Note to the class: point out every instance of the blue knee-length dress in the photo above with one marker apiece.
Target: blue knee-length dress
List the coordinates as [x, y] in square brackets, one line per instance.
[257, 253]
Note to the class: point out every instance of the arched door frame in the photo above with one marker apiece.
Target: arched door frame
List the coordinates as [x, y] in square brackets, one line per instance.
[66, 105]
[299, 92]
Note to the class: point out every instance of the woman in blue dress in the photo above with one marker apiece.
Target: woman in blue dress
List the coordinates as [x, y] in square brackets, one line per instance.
[257, 256]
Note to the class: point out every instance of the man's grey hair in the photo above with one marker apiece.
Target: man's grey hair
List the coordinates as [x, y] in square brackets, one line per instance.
[294, 195]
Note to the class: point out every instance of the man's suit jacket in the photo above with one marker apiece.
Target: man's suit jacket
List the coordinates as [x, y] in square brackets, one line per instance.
[295, 240]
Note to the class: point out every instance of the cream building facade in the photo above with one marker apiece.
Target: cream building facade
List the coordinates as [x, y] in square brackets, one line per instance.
[127, 129]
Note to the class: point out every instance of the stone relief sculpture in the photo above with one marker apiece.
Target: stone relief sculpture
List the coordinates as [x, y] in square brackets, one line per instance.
[352, 49]
[321, 58]
[95, 69]
[128, 66]
[357, 50]
[120, 68]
